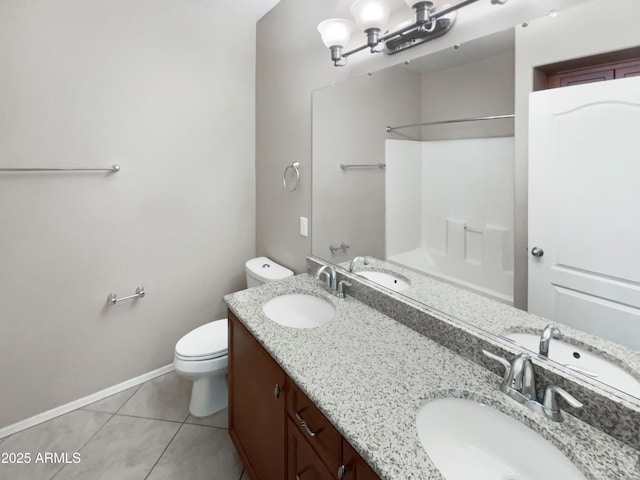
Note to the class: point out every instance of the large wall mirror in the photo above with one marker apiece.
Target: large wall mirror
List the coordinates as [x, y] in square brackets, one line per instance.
[430, 201]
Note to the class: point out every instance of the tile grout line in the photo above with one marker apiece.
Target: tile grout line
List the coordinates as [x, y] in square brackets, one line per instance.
[85, 443]
[130, 397]
[149, 418]
[164, 451]
[113, 414]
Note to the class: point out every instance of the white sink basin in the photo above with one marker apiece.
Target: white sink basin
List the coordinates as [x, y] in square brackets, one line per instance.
[468, 440]
[299, 310]
[581, 361]
[387, 280]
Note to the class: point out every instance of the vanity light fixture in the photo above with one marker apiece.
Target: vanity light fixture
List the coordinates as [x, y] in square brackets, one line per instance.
[432, 19]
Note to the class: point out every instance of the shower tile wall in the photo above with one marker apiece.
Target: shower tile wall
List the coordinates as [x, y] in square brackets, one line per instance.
[462, 228]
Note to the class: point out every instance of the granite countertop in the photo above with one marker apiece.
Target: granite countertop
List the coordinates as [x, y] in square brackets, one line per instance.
[496, 317]
[369, 375]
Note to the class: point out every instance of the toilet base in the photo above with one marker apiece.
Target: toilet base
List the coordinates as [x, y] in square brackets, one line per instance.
[209, 395]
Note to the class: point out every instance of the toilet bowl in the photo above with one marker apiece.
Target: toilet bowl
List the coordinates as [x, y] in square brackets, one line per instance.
[202, 354]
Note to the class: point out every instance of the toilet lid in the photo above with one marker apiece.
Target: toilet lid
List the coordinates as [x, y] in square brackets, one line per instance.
[207, 341]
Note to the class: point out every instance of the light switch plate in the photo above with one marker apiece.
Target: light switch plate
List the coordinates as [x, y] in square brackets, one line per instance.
[304, 227]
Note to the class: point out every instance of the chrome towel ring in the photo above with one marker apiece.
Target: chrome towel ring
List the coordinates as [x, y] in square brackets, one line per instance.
[296, 167]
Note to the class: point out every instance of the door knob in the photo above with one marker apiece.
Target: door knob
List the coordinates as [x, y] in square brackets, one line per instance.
[537, 252]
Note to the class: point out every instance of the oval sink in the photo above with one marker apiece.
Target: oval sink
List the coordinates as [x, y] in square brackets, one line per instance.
[299, 310]
[469, 440]
[387, 280]
[582, 361]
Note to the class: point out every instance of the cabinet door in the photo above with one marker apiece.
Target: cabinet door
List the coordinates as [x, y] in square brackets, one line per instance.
[304, 462]
[256, 405]
[630, 69]
[355, 467]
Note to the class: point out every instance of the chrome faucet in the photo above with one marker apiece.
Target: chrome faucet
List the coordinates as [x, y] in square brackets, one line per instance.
[330, 273]
[352, 265]
[331, 281]
[519, 379]
[519, 384]
[549, 332]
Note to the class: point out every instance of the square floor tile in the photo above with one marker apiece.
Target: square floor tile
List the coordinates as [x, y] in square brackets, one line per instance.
[199, 453]
[219, 420]
[163, 398]
[126, 448]
[113, 403]
[64, 435]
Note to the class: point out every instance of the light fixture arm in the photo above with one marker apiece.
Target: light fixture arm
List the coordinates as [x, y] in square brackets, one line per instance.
[425, 21]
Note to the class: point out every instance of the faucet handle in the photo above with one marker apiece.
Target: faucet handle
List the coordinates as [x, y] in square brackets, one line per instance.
[502, 361]
[549, 401]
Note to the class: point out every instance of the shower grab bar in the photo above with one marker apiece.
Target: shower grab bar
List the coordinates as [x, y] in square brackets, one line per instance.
[346, 166]
[113, 169]
[112, 299]
[445, 122]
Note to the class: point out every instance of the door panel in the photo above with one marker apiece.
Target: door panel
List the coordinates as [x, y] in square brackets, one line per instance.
[584, 162]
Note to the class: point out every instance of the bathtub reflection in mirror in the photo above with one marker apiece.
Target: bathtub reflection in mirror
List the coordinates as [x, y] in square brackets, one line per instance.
[434, 205]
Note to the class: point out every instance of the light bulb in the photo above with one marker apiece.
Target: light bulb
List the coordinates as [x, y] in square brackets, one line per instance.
[371, 14]
[335, 32]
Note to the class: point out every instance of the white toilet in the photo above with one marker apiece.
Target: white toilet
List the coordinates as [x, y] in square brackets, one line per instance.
[202, 354]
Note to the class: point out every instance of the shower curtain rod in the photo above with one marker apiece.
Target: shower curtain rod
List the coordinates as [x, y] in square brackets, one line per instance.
[444, 122]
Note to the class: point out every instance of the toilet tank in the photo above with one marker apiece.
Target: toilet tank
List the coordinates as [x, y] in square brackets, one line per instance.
[263, 270]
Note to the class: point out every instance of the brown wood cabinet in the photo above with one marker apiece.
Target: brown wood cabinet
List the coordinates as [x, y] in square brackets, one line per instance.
[597, 73]
[303, 462]
[277, 430]
[256, 405]
[356, 467]
[321, 435]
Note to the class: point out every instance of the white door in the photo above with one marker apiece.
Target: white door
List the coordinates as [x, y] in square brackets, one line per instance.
[584, 208]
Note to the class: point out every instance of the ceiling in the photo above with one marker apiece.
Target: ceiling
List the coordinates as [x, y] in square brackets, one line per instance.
[253, 8]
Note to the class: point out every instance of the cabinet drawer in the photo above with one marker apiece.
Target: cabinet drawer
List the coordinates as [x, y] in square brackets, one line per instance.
[303, 462]
[314, 427]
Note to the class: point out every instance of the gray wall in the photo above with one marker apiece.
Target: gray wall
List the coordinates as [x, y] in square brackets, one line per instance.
[349, 126]
[142, 83]
[291, 63]
[549, 40]
[481, 88]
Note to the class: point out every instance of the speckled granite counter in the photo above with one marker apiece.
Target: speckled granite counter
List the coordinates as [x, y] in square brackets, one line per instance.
[493, 316]
[369, 375]
[606, 408]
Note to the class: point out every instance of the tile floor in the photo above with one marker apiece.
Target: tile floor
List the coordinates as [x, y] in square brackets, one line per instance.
[144, 433]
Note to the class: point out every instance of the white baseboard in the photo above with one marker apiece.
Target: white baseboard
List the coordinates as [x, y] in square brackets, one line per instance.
[83, 402]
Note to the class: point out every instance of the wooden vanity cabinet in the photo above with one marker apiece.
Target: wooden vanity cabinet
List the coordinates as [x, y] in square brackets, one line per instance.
[319, 433]
[256, 405]
[303, 463]
[277, 430]
[356, 467]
